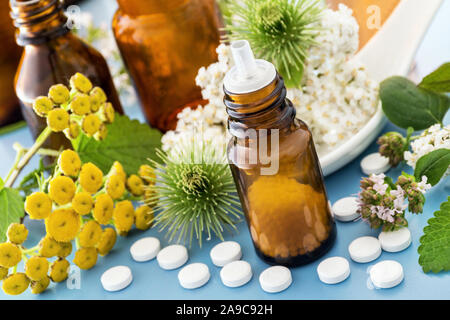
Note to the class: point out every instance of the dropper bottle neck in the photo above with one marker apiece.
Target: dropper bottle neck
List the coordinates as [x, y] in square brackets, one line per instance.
[255, 95]
[38, 21]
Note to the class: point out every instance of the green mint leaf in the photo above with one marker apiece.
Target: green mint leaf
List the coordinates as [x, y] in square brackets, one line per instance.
[2, 184]
[438, 80]
[433, 165]
[11, 210]
[406, 105]
[434, 249]
[128, 141]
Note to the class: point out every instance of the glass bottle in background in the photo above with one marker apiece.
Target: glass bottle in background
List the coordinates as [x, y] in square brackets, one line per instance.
[275, 165]
[163, 44]
[52, 54]
[9, 60]
[367, 13]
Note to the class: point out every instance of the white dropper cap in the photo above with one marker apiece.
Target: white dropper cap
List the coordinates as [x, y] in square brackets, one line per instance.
[248, 74]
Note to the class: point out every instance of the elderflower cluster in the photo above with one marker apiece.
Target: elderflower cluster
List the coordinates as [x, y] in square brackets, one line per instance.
[432, 139]
[383, 205]
[337, 97]
[78, 203]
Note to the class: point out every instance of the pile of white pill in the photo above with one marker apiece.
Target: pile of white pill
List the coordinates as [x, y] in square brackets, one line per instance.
[365, 249]
[227, 255]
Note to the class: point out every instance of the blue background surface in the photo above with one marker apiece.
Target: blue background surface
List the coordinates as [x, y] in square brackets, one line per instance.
[151, 282]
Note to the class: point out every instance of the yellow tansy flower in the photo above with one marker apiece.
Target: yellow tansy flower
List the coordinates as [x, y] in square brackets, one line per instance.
[101, 133]
[15, 284]
[80, 104]
[48, 247]
[70, 163]
[58, 119]
[40, 286]
[17, 233]
[36, 268]
[107, 241]
[42, 106]
[143, 217]
[135, 185]
[90, 234]
[59, 270]
[123, 216]
[107, 112]
[99, 95]
[82, 203]
[85, 258]
[115, 186]
[59, 93]
[91, 177]
[65, 249]
[38, 205]
[81, 83]
[61, 189]
[103, 209]
[10, 255]
[3, 273]
[73, 131]
[147, 173]
[63, 224]
[117, 169]
[91, 124]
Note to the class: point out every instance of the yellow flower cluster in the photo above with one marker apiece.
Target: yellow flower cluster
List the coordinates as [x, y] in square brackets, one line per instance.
[78, 203]
[83, 108]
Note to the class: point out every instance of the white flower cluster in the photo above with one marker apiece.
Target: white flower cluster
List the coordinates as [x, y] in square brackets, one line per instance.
[433, 138]
[336, 100]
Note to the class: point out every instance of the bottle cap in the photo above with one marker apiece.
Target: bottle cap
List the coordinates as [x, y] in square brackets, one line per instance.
[248, 74]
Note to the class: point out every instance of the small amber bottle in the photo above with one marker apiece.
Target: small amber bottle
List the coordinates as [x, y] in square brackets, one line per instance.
[52, 54]
[275, 165]
[9, 60]
[163, 44]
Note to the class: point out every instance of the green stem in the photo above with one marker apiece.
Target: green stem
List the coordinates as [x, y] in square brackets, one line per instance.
[19, 155]
[17, 168]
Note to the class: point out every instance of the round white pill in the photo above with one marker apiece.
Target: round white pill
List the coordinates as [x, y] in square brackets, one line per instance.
[395, 241]
[116, 278]
[345, 209]
[236, 273]
[386, 274]
[172, 257]
[333, 270]
[374, 163]
[145, 249]
[364, 249]
[194, 275]
[225, 252]
[275, 279]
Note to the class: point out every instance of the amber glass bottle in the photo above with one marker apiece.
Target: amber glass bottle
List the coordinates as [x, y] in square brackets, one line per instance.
[286, 208]
[52, 54]
[9, 59]
[163, 44]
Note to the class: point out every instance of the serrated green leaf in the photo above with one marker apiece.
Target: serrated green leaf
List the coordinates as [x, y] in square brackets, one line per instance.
[128, 141]
[406, 105]
[438, 80]
[433, 165]
[434, 249]
[11, 210]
